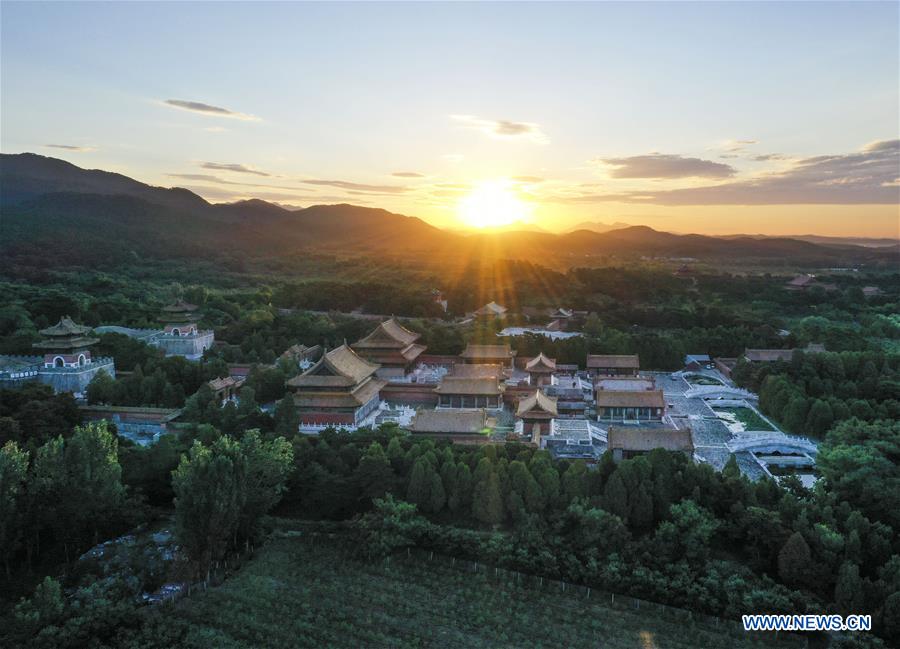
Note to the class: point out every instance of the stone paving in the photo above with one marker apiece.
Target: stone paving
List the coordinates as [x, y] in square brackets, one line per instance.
[709, 432]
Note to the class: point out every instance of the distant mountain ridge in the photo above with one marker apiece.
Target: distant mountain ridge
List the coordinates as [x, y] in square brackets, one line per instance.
[47, 203]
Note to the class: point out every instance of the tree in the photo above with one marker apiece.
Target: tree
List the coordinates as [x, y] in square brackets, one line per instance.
[267, 467]
[208, 499]
[419, 490]
[287, 420]
[641, 514]
[793, 560]
[436, 496]
[13, 470]
[848, 591]
[820, 418]
[574, 481]
[374, 474]
[101, 388]
[794, 417]
[615, 496]
[393, 524]
[94, 476]
[731, 469]
[487, 502]
[686, 534]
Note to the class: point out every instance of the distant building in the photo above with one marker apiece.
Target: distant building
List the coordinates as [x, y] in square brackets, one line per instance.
[142, 425]
[340, 389]
[304, 357]
[626, 442]
[489, 354]
[471, 426]
[66, 365]
[806, 281]
[801, 282]
[536, 411]
[180, 335]
[783, 355]
[226, 389]
[613, 365]
[683, 272]
[871, 291]
[573, 439]
[624, 383]
[769, 355]
[631, 405]
[392, 346]
[438, 298]
[491, 310]
[571, 401]
[697, 361]
[471, 389]
[540, 369]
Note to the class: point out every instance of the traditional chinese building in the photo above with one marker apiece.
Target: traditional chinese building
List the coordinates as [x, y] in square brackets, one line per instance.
[392, 346]
[630, 405]
[226, 389]
[67, 364]
[340, 389]
[540, 369]
[489, 354]
[627, 441]
[180, 335]
[465, 426]
[472, 386]
[613, 365]
[624, 383]
[491, 310]
[536, 411]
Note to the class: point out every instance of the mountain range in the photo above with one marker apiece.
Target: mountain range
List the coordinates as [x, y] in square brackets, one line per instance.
[80, 214]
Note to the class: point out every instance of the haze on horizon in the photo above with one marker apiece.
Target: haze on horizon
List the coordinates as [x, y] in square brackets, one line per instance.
[760, 118]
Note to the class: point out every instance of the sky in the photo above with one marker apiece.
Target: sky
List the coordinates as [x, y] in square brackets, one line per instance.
[771, 118]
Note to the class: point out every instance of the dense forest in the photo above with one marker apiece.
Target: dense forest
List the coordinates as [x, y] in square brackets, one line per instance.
[655, 527]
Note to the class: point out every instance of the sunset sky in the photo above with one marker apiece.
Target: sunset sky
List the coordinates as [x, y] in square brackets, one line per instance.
[770, 118]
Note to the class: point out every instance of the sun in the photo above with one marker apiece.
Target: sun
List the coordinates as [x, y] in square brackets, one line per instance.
[492, 204]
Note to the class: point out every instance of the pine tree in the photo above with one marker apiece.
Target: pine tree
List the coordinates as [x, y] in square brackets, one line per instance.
[641, 509]
[487, 503]
[419, 490]
[731, 470]
[13, 470]
[793, 560]
[615, 496]
[374, 474]
[436, 497]
[287, 421]
[848, 591]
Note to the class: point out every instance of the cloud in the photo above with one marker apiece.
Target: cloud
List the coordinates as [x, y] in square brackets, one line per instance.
[222, 181]
[503, 129]
[527, 180]
[866, 177]
[737, 145]
[237, 168]
[360, 187]
[408, 174]
[71, 147]
[658, 165]
[766, 157]
[208, 109]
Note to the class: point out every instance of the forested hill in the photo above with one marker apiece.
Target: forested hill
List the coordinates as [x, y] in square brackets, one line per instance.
[60, 213]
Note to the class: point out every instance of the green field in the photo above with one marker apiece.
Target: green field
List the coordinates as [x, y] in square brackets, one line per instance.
[300, 593]
[748, 417]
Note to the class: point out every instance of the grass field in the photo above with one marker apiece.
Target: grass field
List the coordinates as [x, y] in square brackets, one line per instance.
[750, 419]
[299, 593]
